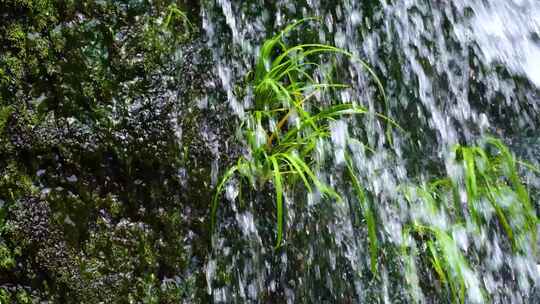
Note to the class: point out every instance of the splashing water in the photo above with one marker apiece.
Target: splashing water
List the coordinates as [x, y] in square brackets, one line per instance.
[453, 72]
[504, 32]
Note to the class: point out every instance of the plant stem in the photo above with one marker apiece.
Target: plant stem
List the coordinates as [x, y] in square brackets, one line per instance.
[284, 119]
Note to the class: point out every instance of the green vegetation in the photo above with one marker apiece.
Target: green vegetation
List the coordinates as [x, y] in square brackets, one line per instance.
[287, 123]
[72, 58]
[90, 200]
[443, 216]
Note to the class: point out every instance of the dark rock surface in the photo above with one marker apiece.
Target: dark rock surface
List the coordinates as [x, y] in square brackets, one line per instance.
[105, 178]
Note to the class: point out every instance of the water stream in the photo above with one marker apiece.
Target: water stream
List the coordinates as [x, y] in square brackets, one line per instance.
[453, 72]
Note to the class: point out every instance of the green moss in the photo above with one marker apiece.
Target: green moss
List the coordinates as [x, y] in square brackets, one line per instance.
[5, 296]
[4, 115]
[14, 67]
[7, 261]
[15, 35]
[23, 297]
[93, 207]
[15, 184]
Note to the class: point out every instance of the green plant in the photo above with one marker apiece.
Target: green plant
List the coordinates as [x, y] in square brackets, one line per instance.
[177, 17]
[286, 125]
[440, 247]
[369, 214]
[496, 177]
[490, 179]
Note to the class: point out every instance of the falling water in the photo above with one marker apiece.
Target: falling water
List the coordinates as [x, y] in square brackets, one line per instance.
[453, 71]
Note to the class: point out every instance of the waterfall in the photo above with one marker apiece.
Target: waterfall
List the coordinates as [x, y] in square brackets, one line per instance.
[453, 72]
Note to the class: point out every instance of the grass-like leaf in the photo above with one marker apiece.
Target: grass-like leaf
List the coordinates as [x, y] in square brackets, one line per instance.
[281, 153]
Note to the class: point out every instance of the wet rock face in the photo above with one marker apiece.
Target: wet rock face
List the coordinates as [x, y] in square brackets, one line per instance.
[115, 213]
[44, 252]
[108, 203]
